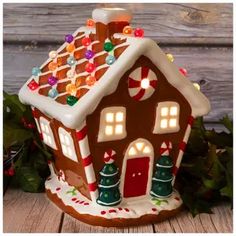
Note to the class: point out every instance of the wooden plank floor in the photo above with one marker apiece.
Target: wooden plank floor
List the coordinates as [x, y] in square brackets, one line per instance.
[34, 213]
[200, 38]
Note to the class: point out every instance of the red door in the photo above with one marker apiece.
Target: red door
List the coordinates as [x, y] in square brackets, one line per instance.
[136, 177]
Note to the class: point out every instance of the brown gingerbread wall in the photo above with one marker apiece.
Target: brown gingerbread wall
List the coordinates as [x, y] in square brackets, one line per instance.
[140, 118]
[74, 172]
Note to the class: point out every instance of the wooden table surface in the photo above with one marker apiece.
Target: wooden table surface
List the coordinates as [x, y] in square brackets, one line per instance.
[198, 35]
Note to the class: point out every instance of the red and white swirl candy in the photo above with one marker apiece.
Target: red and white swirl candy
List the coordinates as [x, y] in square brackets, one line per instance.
[142, 83]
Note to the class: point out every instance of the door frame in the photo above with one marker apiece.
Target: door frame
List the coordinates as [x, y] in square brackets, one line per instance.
[138, 155]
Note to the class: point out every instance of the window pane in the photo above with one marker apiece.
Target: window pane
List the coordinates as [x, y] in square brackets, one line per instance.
[64, 149]
[46, 129]
[119, 129]
[67, 140]
[62, 138]
[45, 138]
[139, 146]
[69, 151]
[119, 116]
[109, 130]
[49, 140]
[173, 111]
[172, 122]
[164, 123]
[164, 111]
[132, 151]
[109, 117]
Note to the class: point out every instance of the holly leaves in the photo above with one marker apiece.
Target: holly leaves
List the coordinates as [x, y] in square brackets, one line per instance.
[206, 172]
[25, 156]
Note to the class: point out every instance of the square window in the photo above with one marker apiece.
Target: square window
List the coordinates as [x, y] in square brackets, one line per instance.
[109, 117]
[119, 116]
[164, 123]
[119, 129]
[172, 122]
[164, 111]
[109, 130]
[173, 111]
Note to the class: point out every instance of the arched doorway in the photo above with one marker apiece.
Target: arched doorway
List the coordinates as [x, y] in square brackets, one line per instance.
[137, 169]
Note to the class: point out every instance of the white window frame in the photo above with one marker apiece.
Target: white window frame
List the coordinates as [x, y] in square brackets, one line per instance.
[48, 137]
[112, 125]
[164, 116]
[67, 144]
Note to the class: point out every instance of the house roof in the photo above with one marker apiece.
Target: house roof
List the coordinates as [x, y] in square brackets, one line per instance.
[126, 51]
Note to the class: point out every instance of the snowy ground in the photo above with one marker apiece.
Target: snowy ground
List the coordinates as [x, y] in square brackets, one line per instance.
[126, 209]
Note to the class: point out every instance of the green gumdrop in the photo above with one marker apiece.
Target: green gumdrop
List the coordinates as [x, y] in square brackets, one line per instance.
[108, 46]
[71, 100]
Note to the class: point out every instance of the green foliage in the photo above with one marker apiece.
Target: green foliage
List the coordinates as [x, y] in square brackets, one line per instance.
[206, 173]
[20, 134]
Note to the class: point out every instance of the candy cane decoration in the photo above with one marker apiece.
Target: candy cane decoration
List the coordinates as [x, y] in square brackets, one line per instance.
[82, 139]
[109, 156]
[61, 176]
[142, 83]
[182, 147]
[165, 149]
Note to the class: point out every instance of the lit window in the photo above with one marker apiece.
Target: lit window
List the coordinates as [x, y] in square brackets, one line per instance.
[67, 144]
[167, 118]
[47, 133]
[140, 147]
[112, 124]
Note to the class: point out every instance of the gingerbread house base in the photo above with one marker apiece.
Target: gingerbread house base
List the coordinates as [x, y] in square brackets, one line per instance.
[141, 211]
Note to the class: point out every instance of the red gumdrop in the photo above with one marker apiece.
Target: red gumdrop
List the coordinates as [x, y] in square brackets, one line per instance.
[86, 41]
[183, 71]
[90, 67]
[138, 32]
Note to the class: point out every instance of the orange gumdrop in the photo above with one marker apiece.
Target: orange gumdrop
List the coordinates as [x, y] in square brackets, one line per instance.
[127, 30]
[90, 23]
[52, 66]
[71, 88]
[90, 80]
[70, 48]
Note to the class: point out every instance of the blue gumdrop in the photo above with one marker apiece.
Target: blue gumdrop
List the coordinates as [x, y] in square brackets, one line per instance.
[71, 61]
[36, 71]
[110, 59]
[52, 93]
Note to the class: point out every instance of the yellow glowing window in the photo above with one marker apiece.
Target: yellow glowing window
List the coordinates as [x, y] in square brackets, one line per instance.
[167, 118]
[112, 124]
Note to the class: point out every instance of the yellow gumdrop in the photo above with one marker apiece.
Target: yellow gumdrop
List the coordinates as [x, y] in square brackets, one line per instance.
[170, 57]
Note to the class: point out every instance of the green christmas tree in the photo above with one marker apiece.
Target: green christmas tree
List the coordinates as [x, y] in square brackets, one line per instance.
[109, 194]
[162, 178]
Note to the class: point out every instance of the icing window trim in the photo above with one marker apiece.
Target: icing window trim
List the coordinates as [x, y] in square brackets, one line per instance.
[112, 124]
[48, 136]
[167, 118]
[67, 144]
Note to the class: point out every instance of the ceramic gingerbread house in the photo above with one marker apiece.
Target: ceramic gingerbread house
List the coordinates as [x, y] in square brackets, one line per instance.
[116, 112]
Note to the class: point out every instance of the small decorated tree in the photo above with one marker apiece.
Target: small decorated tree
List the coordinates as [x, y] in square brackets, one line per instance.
[109, 194]
[162, 178]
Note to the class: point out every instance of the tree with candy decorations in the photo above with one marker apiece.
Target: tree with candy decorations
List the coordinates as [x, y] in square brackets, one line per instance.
[109, 194]
[162, 178]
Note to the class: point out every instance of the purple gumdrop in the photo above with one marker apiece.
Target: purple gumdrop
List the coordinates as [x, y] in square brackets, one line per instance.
[69, 38]
[52, 80]
[89, 54]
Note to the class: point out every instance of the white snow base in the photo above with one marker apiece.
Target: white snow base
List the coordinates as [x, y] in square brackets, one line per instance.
[128, 208]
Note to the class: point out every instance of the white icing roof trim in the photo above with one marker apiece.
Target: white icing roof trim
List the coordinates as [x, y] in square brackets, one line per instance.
[107, 15]
[73, 116]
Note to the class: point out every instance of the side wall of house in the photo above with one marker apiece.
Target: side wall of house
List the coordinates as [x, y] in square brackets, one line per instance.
[140, 118]
[74, 171]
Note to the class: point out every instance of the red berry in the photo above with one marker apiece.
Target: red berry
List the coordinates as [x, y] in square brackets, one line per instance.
[86, 41]
[30, 126]
[11, 172]
[139, 32]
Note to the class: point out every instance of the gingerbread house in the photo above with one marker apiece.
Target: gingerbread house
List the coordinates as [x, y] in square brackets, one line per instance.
[110, 94]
